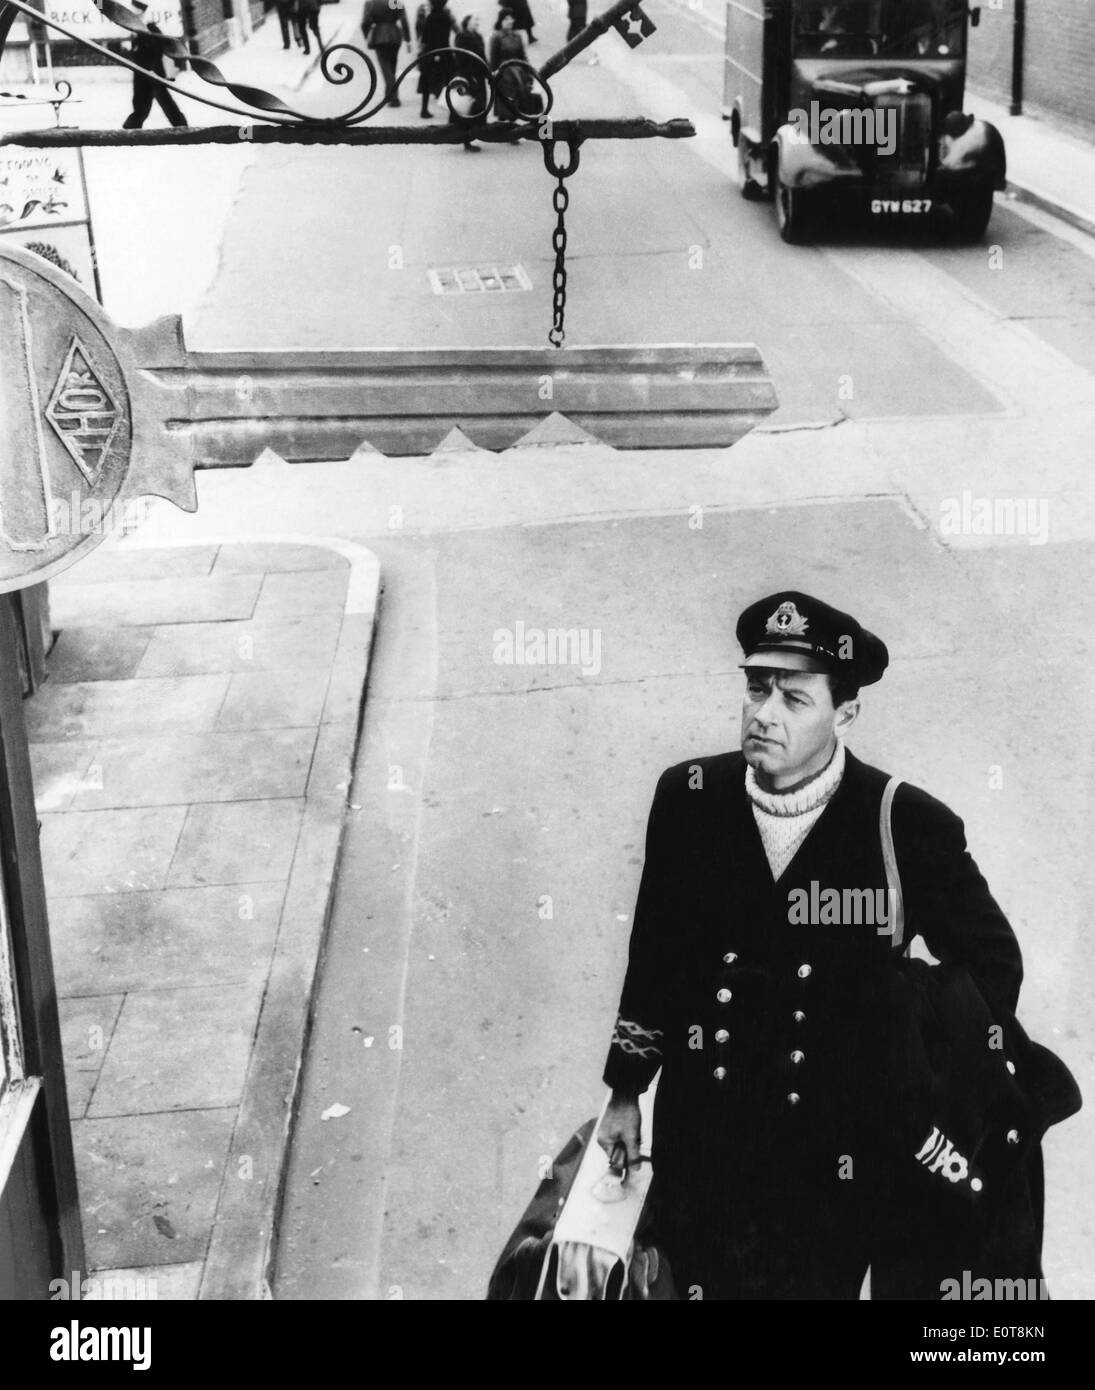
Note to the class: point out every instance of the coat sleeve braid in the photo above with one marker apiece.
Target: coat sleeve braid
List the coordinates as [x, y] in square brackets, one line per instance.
[635, 1052]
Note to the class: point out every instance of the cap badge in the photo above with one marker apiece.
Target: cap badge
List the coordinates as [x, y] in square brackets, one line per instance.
[787, 621]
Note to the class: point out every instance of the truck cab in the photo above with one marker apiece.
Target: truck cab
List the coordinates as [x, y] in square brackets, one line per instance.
[858, 104]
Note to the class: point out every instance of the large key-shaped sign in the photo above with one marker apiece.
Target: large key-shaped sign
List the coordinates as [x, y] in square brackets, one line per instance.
[93, 416]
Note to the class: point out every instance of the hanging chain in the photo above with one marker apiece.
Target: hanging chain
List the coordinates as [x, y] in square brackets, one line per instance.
[560, 198]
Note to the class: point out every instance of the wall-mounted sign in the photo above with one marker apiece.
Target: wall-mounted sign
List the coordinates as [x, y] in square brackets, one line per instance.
[66, 247]
[87, 22]
[40, 188]
[43, 206]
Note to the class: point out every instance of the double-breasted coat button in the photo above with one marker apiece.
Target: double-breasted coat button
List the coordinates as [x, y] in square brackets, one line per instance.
[805, 971]
[799, 1016]
[793, 1098]
[722, 1035]
[798, 1056]
[730, 957]
[724, 996]
[720, 1073]
[976, 1184]
[1011, 1067]
[1013, 1136]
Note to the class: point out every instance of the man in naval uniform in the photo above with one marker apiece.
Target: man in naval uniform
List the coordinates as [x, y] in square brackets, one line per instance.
[787, 1146]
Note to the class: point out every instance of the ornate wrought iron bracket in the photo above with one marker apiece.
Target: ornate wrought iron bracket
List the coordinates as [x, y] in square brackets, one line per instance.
[472, 93]
[62, 92]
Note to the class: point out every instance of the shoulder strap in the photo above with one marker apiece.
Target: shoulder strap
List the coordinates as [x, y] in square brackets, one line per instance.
[889, 859]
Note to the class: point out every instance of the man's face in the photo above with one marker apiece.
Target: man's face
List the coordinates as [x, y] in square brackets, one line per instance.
[789, 724]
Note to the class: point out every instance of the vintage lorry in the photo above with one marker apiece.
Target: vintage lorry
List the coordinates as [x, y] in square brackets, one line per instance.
[857, 105]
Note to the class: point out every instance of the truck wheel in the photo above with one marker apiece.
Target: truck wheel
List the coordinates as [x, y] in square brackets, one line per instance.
[971, 213]
[791, 208]
[751, 191]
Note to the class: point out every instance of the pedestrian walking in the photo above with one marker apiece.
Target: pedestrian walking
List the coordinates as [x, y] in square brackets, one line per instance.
[384, 25]
[522, 18]
[148, 54]
[798, 1049]
[470, 65]
[308, 19]
[435, 27]
[513, 85]
[577, 12]
[287, 22]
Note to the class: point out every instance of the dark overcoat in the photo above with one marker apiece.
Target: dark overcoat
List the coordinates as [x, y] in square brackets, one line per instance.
[786, 1126]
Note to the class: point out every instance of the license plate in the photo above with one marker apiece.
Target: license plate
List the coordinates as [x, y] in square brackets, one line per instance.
[901, 207]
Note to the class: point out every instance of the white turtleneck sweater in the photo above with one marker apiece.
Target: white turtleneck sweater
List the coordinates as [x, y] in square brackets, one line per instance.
[784, 819]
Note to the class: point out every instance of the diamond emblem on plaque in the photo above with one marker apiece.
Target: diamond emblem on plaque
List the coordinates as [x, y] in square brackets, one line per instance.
[82, 413]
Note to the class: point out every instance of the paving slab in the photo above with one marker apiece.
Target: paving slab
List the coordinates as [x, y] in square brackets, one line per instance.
[98, 653]
[282, 700]
[190, 648]
[333, 764]
[178, 1049]
[275, 559]
[105, 708]
[60, 770]
[197, 767]
[156, 601]
[237, 842]
[193, 757]
[349, 671]
[149, 1183]
[288, 595]
[119, 566]
[116, 851]
[163, 939]
[87, 1026]
[158, 1282]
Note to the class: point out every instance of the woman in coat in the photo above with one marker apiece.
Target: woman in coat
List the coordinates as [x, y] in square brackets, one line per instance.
[513, 84]
[435, 27]
[472, 71]
[522, 18]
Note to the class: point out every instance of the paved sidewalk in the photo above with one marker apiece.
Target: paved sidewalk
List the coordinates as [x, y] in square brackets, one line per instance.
[192, 752]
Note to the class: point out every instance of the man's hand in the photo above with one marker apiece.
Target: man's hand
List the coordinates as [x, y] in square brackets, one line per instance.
[621, 1126]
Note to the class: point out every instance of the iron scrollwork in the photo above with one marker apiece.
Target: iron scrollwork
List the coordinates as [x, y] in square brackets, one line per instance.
[520, 86]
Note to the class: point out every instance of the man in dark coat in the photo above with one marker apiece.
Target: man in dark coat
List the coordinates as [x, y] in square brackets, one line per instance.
[308, 20]
[800, 1133]
[287, 20]
[384, 25]
[148, 54]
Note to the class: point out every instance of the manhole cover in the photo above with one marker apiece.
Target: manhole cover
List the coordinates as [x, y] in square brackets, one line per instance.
[479, 279]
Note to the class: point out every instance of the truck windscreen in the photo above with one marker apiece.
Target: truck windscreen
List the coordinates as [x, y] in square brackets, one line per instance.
[879, 29]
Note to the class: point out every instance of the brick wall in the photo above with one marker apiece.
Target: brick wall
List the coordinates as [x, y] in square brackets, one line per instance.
[1059, 72]
[208, 26]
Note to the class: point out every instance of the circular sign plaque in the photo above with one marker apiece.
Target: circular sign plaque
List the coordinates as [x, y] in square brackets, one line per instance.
[65, 422]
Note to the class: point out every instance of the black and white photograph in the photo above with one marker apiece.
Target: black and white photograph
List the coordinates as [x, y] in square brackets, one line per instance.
[546, 700]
